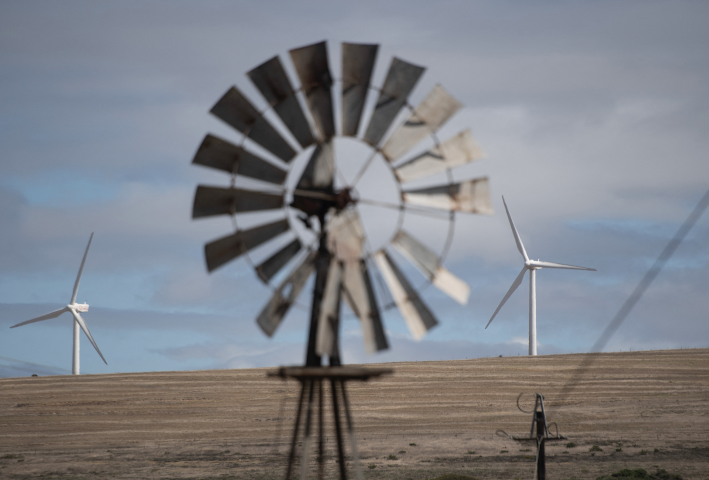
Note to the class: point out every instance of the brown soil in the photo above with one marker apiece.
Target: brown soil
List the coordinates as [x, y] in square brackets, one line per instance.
[642, 409]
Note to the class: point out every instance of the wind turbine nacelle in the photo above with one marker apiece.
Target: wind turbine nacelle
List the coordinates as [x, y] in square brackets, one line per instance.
[81, 307]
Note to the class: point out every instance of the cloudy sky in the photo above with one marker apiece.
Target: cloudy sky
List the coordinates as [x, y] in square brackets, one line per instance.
[594, 117]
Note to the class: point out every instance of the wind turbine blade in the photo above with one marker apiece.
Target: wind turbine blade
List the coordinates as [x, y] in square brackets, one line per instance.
[278, 260]
[357, 65]
[226, 249]
[518, 239]
[271, 80]
[400, 80]
[509, 293]
[537, 263]
[359, 295]
[431, 113]
[222, 155]
[236, 110]
[272, 314]
[46, 316]
[81, 270]
[418, 317]
[471, 196]
[320, 171]
[329, 320]
[452, 153]
[427, 262]
[314, 72]
[85, 328]
[210, 201]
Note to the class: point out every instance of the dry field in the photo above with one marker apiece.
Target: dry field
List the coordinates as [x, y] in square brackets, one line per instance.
[642, 409]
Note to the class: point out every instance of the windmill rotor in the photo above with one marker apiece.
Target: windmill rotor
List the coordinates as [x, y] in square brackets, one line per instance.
[321, 228]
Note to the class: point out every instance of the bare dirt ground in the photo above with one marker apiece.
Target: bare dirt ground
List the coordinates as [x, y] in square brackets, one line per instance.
[642, 409]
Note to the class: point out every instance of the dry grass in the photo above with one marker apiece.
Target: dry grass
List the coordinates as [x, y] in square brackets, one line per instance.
[642, 409]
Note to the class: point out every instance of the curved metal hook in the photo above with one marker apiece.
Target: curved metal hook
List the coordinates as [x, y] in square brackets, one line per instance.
[520, 408]
[555, 426]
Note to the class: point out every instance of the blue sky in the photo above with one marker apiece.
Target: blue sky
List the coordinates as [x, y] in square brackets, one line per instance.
[593, 116]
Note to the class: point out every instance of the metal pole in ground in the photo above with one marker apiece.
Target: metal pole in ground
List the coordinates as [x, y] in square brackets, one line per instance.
[541, 433]
[338, 430]
[291, 454]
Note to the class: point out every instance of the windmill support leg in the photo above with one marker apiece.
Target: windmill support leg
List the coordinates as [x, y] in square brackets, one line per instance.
[321, 433]
[75, 357]
[338, 430]
[291, 454]
[532, 312]
[307, 440]
[322, 263]
[350, 432]
[311, 379]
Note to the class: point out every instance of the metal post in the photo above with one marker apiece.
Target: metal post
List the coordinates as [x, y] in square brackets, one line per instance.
[305, 454]
[321, 433]
[338, 430]
[75, 354]
[534, 415]
[541, 464]
[350, 431]
[322, 264]
[291, 454]
[335, 356]
[532, 312]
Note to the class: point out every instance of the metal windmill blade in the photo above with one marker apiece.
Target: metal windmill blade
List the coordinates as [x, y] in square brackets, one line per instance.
[471, 196]
[222, 155]
[314, 72]
[236, 110]
[436, 108]
[338, 245]
[357, 67]
[400, 81]
[454, 152]
[323, 229]
[271, 80]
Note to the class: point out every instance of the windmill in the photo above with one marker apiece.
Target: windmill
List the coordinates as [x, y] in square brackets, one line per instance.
[320, 227]
[532, 266]
[74, 308]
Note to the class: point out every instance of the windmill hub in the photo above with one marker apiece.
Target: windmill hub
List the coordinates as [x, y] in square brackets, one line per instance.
[344, 198]
[319, 202]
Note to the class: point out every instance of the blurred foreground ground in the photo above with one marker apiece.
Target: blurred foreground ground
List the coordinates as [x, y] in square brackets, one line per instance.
[643, 409]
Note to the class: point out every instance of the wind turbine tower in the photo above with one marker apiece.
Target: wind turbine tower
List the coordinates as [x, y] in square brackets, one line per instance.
[532, 266]
[79, 322]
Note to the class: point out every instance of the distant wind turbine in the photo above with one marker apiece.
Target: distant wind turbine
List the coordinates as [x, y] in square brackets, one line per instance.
[532, 266]
[74, 308]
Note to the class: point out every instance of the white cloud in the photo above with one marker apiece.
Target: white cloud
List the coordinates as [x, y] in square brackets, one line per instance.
[519, 341]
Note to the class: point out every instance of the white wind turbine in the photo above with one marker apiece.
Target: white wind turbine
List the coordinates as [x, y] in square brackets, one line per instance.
[532, 266]
[74, 308]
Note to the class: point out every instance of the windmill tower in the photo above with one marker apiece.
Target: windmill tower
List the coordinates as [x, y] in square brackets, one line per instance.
[323, 227]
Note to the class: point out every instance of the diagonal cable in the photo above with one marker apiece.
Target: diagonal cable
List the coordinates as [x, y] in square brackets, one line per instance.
[624, 311]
